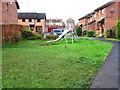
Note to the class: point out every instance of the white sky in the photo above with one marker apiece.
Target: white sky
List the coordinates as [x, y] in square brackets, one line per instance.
[62, 9]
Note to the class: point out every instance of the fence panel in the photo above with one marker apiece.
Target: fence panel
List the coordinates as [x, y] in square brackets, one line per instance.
[8, 30]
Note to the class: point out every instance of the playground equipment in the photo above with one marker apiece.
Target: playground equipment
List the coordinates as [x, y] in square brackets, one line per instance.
[61, 37]
[67, 32]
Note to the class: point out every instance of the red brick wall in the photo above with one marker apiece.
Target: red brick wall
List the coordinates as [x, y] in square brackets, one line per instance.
[11, 15]
[119, 10]
[92, 27]
[111, 18]
[0, 12]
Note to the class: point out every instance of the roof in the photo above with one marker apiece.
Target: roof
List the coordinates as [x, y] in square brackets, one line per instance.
[17, 5]
[99, 8]
[90, 22]
[54, 20]
[87, 15]
[41, 16]
[70, 20]
[101, 19]
[105, 5]
[31, 15]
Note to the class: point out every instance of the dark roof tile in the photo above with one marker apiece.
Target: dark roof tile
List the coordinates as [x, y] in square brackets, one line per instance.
[105, 5]
[32, 15]
[17, 5]
[87, 15]
[99, 8]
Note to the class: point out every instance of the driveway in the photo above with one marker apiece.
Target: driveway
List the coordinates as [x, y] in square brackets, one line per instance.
[108, 75]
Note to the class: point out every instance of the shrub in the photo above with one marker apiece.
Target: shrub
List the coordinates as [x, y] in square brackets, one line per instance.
[15, 37]
[79, 31]
[117, 33]
[35, 36]
[25, 28]
[101, 36]
[26, 34]
[40, 33]
[83, 32]
[90, 33]
[31, 35]
[52, 37]
[108, 33]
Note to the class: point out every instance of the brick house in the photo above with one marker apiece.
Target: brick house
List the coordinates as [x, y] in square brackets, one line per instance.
[54, 24]
[70, 23]
[102, 18]
[35, 21]
[8, 11]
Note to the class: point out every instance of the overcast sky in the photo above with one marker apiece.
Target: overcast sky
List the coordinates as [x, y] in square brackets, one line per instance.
[62, 9]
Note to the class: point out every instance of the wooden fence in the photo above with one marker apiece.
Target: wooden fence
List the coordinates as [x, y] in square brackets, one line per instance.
[8, 30]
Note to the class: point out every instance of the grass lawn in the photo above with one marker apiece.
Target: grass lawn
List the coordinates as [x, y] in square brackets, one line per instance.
[114, 39]
[61, 65]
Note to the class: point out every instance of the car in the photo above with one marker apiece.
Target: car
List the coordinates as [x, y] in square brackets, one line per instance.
[57, 31]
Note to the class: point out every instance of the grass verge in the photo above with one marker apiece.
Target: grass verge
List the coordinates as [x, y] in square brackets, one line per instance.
[29, 64]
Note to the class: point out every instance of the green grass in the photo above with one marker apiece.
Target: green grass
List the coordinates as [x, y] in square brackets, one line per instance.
[61, 65]
[113, 39]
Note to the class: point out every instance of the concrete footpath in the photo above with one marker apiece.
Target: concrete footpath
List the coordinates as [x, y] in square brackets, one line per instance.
[108, 76]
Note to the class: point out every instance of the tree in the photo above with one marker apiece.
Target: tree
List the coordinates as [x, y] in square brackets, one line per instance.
[79, 31]
[117, 33]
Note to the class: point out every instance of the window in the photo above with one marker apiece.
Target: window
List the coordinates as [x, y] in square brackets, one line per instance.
[23, 20]
[94, 15]
[30, 20]
[7, 7]
[32, 27]
[38, 20]
[102, 11]
[38, 28]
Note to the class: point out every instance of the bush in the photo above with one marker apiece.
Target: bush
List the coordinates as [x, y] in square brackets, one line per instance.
[52, 37]
[31, 35]
[26, 34]
[83, 32]
[40, 33]
[79, 31]
[35, 36]
[117, 33]
[25, 28]
[101, 36]
[15, 37]
[90, 33]
[108, 33]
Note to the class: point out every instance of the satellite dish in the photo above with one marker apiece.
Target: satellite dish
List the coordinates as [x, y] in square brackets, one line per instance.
[112, 10]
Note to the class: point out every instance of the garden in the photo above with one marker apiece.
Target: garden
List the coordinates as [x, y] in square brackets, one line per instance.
[107, 34]
[31, 62]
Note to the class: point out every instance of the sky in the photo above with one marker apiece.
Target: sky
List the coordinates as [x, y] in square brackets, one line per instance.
[61, 9]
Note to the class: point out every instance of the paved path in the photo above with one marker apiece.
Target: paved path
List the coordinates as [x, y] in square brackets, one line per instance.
[108, 75]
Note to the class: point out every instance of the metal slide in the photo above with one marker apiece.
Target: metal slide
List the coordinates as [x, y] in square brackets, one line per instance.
[60, 37]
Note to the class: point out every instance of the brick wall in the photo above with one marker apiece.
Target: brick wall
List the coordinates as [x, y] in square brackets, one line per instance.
[0, 12]
[26, 23]
[111, 18]
[9, 14]
[119, 10]
[92, 27]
